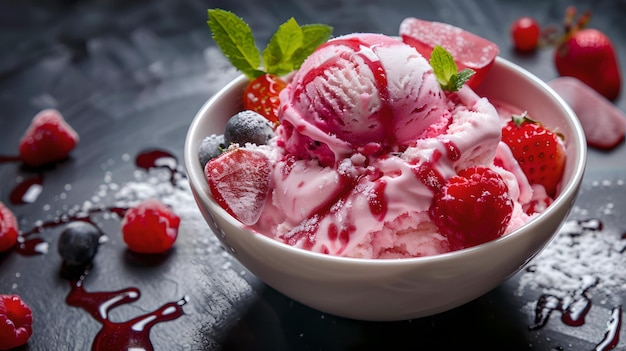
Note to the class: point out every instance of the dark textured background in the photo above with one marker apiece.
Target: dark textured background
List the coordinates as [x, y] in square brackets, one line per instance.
[130, 75]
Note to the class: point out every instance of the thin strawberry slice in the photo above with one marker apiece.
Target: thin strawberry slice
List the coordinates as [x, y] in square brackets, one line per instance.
[239, 181]
[603, 123]
[468, 49]
[48, 139]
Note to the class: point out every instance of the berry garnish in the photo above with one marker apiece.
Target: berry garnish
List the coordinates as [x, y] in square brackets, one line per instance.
[16, 320]
[603, 122]
[150, 227]
[472, 208]
[8, 228]
[78, 243]
[239, 181]
[285, 52]
[469, 50]
[248, 127]
[525, 33]
[589, 55]
[539, 151]
[446, 71]
[211, 147]
[261, 95]
[48, 139]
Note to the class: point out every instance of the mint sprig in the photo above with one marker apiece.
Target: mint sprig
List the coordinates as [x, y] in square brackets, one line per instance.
[290, 45]
[446, 70]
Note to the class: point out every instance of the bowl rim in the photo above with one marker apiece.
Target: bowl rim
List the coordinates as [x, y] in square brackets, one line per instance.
[567, 193]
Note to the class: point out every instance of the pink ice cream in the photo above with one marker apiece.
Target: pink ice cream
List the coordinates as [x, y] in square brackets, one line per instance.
[365, 126]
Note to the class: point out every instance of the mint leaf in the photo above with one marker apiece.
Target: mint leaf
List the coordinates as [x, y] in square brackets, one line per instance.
[234, 37]
[314, 35]
[446, 70]
[277, 56]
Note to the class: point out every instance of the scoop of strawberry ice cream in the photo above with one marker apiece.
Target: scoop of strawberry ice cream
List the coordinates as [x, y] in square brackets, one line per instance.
[361, 92]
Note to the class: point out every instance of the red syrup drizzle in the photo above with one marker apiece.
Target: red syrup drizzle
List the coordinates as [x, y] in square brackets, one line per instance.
[28, 190]
[156, 158]
[133, 334]
[574, 312]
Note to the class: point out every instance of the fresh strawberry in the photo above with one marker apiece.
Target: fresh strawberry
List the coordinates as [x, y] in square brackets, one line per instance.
[589, 55]
[48, 139]
[261, 96]
[539, 151]
[285, 52]
[239, 181]
[472, 208]
[8, 228]
[150, 227]
[469, 50]
[16, 320]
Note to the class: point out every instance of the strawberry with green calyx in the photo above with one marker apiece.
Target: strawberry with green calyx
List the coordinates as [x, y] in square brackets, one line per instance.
[446, 71]
[539, 151]
[290, 45]
[587, 54]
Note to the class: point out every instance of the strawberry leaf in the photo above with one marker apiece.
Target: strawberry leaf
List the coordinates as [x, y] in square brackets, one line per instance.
[277, 56]
[446, 70]
[234, 37]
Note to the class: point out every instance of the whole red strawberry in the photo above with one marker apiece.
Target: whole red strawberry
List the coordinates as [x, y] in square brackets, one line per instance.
[16, 321]
[472, 208]
[589, 55]
[539, 151]
[48, 139]
[8, 228]
[239, 181]
[261, 96]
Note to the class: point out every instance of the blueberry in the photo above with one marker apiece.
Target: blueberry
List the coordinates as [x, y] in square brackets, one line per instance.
[248, 127]
[78, 243]
[211, 147]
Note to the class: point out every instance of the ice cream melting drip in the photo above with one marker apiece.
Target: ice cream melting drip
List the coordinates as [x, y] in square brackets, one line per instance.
[133, 334]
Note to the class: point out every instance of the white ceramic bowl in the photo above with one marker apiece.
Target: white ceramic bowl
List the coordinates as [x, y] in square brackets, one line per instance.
[394, 289]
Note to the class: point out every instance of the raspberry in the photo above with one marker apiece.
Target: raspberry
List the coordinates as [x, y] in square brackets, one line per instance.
[8, 228]
[150, 227]
[472, 208]
[16, 320]
[48, 139]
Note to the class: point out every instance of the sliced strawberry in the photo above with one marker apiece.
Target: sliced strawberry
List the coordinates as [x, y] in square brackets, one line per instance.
[468, 49]
[472, 208]
[8, 228]
[16, 320]
[604, 123]
[539, 152]
[150, 227]
[239, 181]
[48, 139]
[261, 96]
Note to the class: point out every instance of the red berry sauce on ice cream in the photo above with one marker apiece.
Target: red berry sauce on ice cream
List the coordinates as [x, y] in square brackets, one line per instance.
[376, 156]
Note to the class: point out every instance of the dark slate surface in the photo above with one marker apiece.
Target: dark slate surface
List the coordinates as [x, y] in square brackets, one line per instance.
[129, 77]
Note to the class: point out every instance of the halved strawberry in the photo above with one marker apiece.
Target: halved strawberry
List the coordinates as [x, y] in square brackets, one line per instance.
[48, 139]
[239, 181]
[539, 151]
[468, 49]
[472, 208]
[261, 96]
